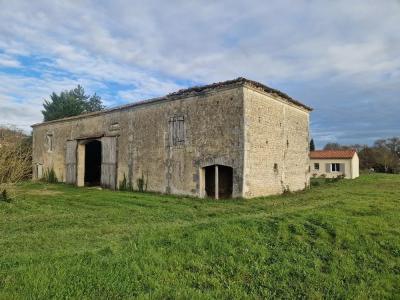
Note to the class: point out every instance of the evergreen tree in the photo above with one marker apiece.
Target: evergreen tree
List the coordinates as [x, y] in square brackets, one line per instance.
[312, 145]
[70, 103]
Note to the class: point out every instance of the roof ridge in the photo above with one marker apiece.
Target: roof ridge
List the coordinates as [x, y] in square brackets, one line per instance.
[239, 80]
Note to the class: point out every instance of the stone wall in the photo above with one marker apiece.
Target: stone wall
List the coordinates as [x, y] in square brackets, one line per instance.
[276, 145]
[212, 130]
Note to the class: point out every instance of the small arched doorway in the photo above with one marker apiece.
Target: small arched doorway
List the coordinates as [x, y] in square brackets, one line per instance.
[218, 181]
[93, 163]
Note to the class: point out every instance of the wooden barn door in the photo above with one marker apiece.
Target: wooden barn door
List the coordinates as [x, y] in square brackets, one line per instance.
[109, 162]
[70, 162]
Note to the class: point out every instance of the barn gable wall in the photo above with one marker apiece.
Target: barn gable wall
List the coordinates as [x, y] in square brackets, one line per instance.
[276, 145]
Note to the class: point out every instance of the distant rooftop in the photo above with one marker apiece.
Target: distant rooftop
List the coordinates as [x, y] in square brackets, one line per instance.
[193, 91]
[326, 154]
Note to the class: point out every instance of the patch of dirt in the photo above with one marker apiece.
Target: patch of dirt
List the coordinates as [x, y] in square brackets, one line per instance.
[44, 193]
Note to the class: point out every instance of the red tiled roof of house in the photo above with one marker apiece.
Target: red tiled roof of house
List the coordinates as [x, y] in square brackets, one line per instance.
[322, 154]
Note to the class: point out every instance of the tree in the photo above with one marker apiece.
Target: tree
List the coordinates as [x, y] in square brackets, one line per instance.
[312, 145]
[333, 146]
[388, 154]
[393, 144]
[337, 146]
[367, 156]
[385, 160]
[70, 103]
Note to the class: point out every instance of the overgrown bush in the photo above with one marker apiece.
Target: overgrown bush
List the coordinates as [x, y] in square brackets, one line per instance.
[15, 160]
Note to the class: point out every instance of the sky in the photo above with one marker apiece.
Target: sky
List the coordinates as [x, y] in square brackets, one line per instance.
[340, 57]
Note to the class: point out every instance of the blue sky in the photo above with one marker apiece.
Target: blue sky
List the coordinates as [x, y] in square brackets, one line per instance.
[340, 57]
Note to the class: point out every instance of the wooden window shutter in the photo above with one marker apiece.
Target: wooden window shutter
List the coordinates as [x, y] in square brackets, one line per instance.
[328, 168]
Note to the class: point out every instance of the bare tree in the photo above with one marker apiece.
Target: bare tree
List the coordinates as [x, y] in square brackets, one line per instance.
[383, 156]
[388, 154]
[333, 146]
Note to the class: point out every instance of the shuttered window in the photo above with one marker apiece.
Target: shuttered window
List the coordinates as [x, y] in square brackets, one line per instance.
[177, 130]
[335, 167]
[49, 140]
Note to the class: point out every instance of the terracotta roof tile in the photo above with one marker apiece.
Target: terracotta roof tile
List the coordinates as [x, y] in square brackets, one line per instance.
[322, 154]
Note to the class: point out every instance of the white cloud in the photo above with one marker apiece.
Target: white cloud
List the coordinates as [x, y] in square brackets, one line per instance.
[8, 61]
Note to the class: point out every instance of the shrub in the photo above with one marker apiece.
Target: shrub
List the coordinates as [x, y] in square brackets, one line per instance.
[124, 185]
[142, 183]
[315, 183]
[4, 196]
[49, 176]
[334, 179]
[15, 160]
[286, 190]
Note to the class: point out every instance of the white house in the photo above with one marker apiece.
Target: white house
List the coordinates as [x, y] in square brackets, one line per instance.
[332, 163]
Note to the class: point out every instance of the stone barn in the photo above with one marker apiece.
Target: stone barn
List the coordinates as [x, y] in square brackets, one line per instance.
[237, 138]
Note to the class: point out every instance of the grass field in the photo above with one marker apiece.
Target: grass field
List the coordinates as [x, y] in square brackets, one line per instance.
[338, 240]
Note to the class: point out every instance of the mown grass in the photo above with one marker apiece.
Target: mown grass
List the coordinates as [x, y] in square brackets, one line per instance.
[338, 240]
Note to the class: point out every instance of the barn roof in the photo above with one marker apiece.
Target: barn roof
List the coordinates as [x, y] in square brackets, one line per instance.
[326, 154]
[193, 91]
[240, 80]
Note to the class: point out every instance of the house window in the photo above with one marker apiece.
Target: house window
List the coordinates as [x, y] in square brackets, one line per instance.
[49, 140]
[335, 167]
[177, 130]
[316, 166]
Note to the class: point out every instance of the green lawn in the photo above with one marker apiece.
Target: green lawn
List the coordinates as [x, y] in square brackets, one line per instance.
[338, 240]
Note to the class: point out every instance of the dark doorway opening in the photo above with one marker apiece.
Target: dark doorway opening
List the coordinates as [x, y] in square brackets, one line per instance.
[225, 181]
[210, 181]
[93, 163]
